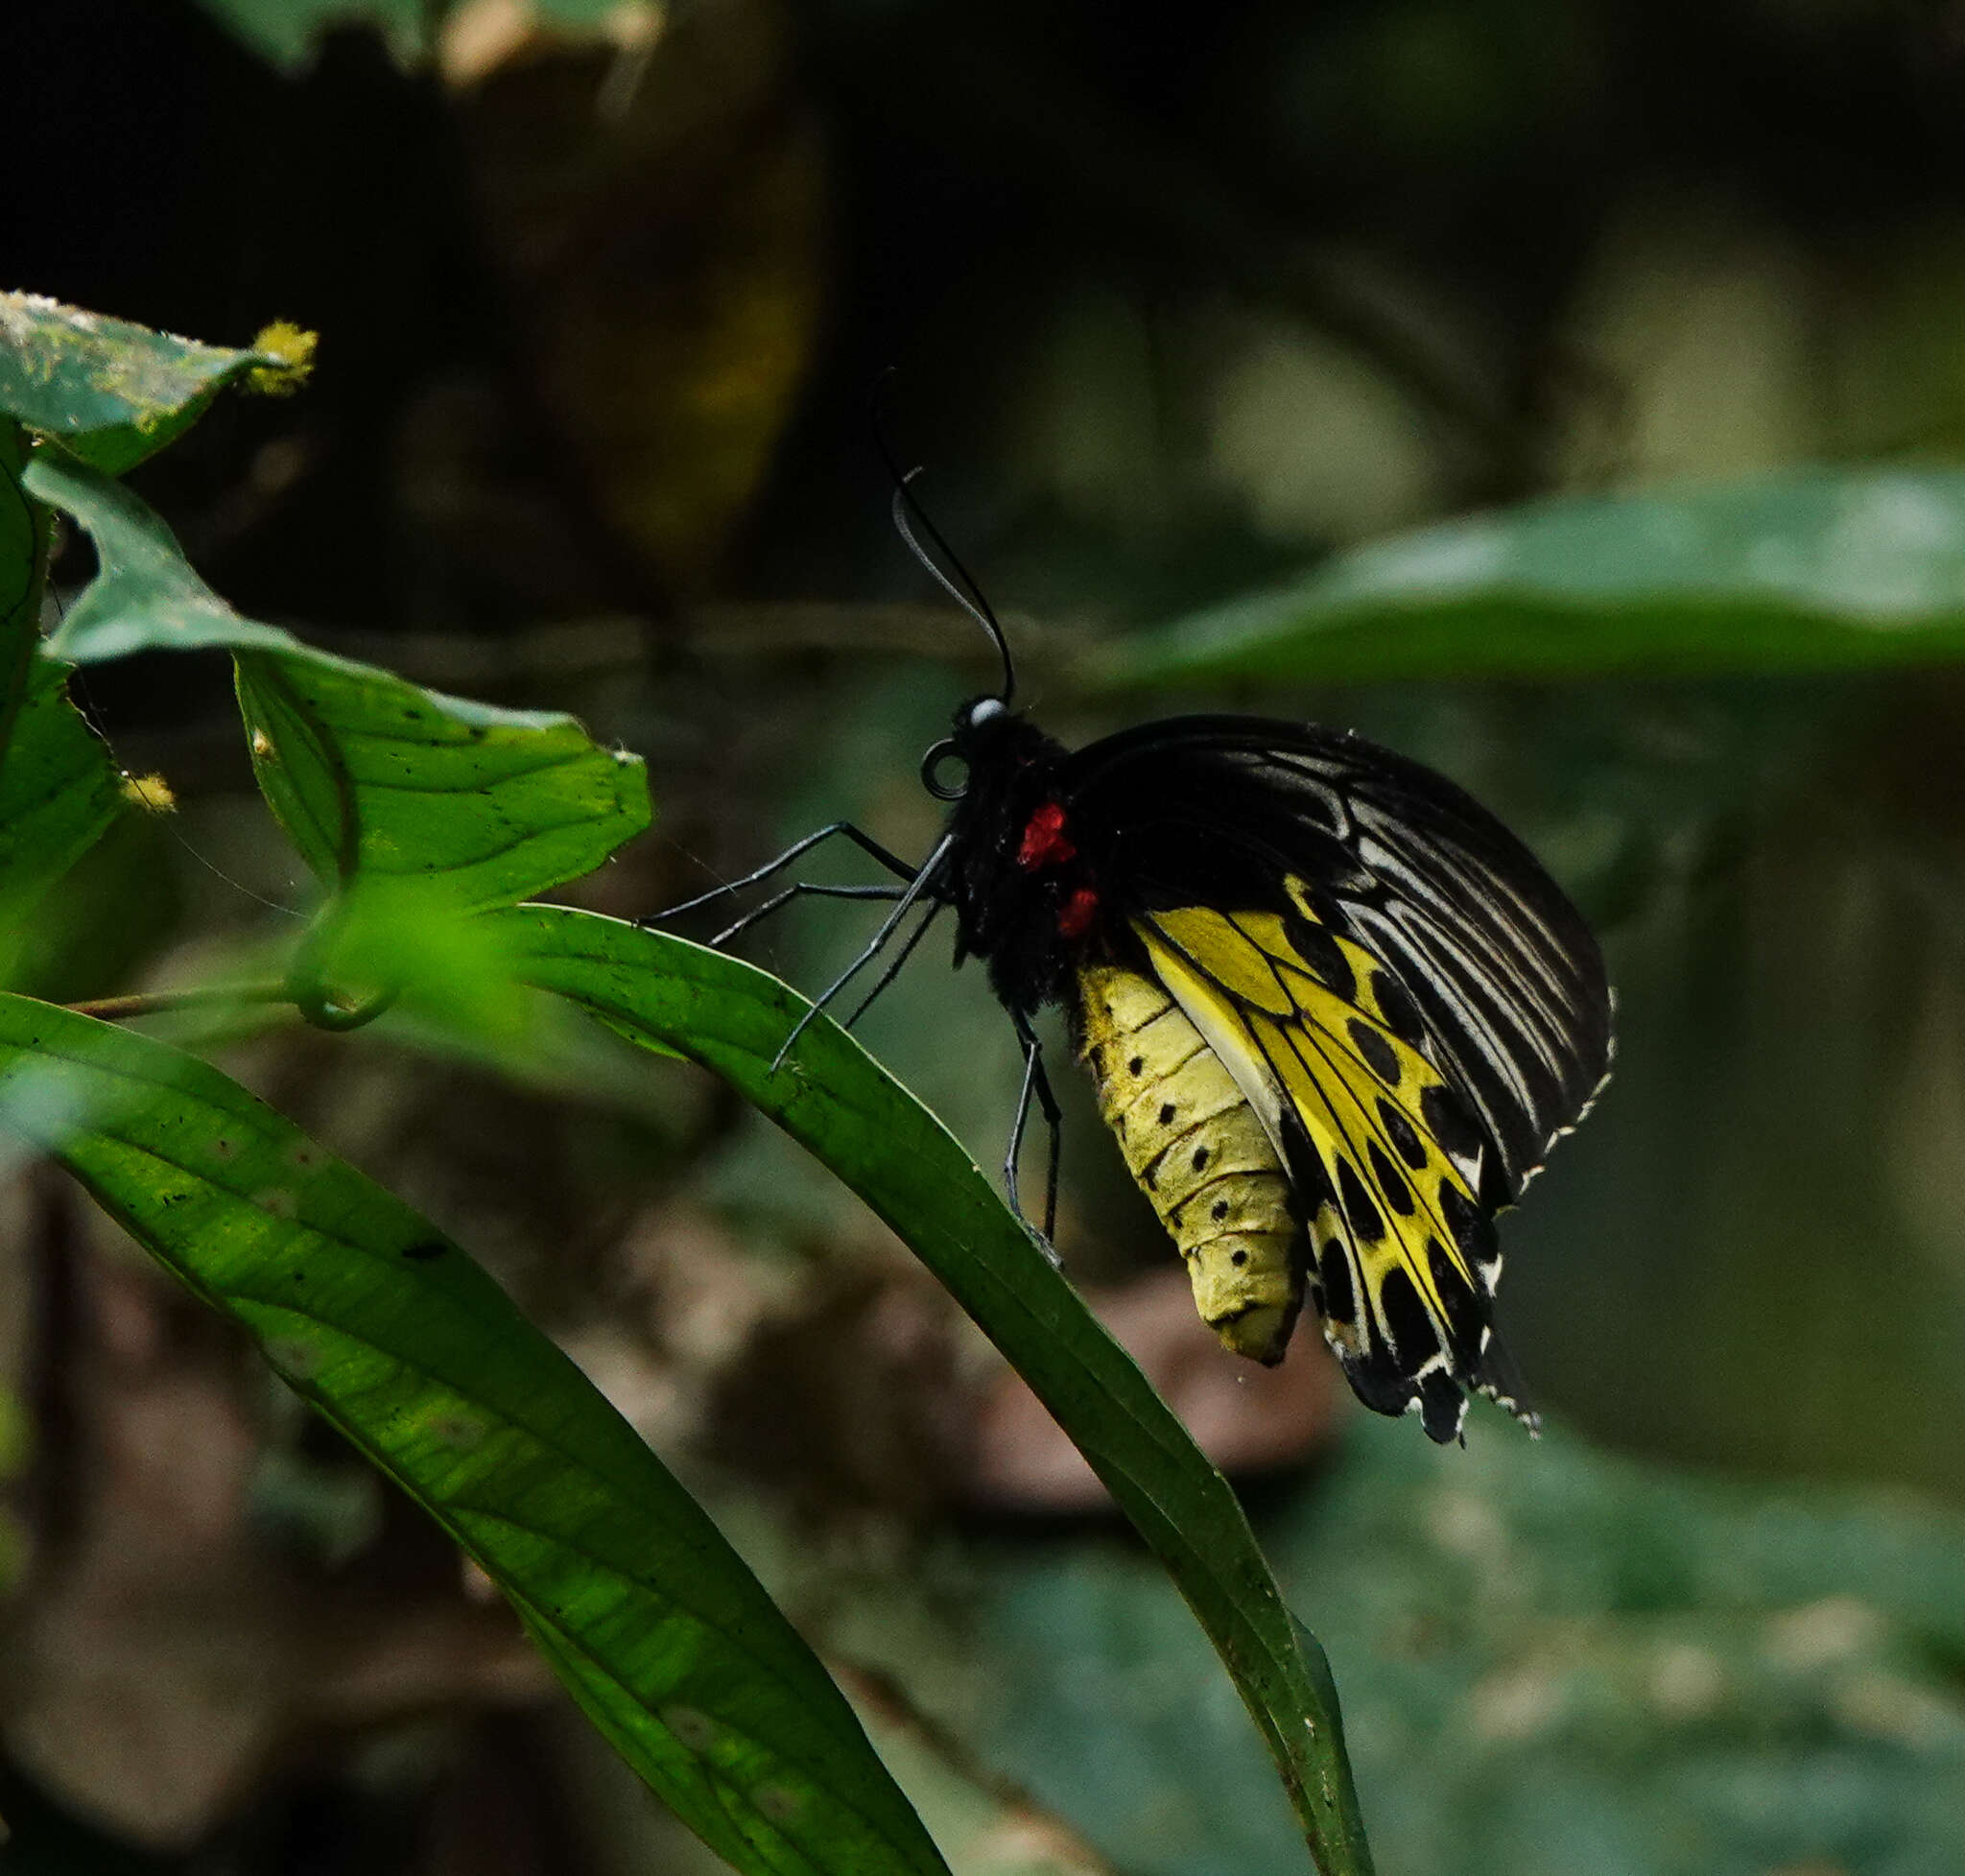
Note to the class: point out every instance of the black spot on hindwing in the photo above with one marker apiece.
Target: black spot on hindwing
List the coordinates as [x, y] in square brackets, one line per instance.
[1405, 1317]
[1321, 953]
[1333, 1270]
[1366, 1221]
[1465, 1313]
[1449, 1122]
[1398, 1195]
[1378, 1053]
[1399, 1012]
[1403, 1135]
[1473, 1232]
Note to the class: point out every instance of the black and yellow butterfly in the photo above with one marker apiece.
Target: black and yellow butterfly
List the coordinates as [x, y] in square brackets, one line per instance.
[1335, 1012]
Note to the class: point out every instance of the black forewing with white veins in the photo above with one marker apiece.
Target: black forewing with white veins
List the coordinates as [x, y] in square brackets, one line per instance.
[1504, 970]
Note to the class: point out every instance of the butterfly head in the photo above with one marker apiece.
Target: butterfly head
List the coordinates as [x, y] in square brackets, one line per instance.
[985, 737]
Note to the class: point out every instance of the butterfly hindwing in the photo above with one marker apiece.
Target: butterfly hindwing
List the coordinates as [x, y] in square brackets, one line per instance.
[1384, 1161]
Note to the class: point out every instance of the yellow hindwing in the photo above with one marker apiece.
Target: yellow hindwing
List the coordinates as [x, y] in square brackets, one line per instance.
[1319, 1038]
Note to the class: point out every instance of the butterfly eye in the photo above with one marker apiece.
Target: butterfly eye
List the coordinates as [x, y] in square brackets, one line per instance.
[934, 776]
[983, 708]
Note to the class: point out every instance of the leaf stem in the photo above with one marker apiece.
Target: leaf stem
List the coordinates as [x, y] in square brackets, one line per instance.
[158, 1002]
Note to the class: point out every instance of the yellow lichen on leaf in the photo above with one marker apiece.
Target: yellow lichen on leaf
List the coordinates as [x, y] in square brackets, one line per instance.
[290, 349]
[151, 793]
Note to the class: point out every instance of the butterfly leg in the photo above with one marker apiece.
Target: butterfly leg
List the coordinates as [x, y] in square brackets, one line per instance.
[804, 888]
[918, 882]
[865, 843]
[894, 963]
[1037, 1085]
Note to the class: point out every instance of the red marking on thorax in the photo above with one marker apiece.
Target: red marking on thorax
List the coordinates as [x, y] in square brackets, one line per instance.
[1074, 916]
[1044, 841]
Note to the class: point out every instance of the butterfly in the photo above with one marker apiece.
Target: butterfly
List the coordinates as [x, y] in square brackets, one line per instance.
[1335, 1013]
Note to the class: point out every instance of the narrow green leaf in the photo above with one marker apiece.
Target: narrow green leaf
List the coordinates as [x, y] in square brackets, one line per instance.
[832, 1097]
[1812, 571]
[405, 1343]
[368, 773]
[113, 392]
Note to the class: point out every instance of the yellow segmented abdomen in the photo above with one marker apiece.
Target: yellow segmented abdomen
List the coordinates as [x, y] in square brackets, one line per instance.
[1200, 1155]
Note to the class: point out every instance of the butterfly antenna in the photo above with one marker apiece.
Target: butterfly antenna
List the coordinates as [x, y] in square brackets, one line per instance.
[908, 512]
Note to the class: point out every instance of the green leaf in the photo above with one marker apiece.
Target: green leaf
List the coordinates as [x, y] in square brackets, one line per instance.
[1812, 571]
[661, 1632]
[23, 572]
[373, 775]
[286, 32]
[370, 775]
[113, 392]
[833, 1098]
[60, 787]
[60, 790]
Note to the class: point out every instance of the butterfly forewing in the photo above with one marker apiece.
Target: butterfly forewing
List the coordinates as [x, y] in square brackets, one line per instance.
[1504, 973]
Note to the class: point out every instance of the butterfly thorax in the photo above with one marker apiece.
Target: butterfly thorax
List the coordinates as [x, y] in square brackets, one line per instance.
[1019, 874]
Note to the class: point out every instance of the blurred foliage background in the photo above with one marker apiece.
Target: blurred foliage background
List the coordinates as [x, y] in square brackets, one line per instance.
[1183, 302]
